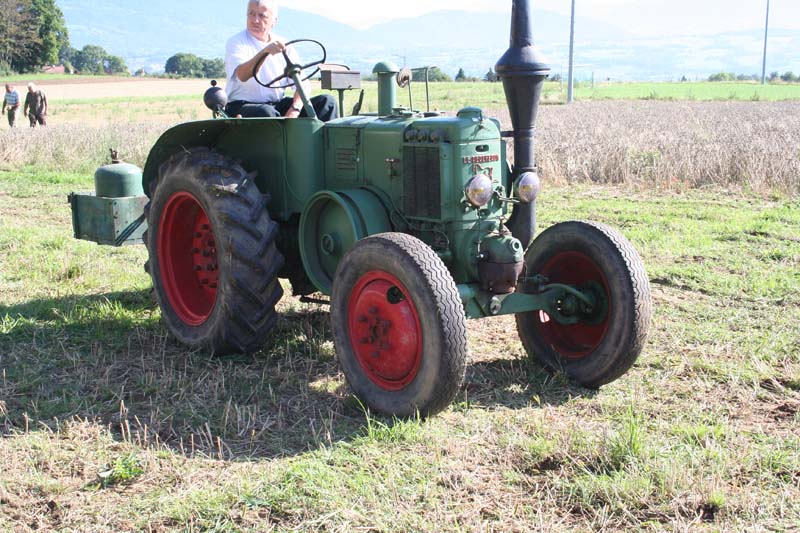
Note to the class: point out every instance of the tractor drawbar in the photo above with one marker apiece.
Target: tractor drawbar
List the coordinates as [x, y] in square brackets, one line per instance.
[523, 71]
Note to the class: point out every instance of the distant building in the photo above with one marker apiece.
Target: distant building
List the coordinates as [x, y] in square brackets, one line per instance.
[53, 69]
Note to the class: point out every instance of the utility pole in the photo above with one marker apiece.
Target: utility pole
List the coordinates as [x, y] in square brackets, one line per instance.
[571, 51]
[764, 63]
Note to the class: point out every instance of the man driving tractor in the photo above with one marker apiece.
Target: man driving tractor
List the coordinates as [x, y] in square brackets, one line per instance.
[257, 50]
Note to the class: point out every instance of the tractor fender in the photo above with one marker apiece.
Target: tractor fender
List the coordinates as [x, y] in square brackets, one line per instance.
[182, 137]
[331, 223]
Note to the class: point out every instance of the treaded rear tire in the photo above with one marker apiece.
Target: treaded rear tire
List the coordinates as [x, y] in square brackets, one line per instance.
[238, 317]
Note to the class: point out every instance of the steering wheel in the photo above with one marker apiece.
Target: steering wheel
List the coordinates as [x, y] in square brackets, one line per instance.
[293, 67]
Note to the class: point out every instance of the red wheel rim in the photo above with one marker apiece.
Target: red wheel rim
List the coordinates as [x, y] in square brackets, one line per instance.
[574, 341]
[384, 329]
[187, 256]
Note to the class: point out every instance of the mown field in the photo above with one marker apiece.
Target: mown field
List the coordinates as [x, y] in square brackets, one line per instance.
[107, 424]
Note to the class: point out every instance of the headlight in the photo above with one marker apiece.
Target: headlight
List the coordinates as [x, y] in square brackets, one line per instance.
[479, 190]
[528, 187]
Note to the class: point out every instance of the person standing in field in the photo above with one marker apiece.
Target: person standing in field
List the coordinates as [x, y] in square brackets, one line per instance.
[258, 48]
[35, 106]
[11, 102]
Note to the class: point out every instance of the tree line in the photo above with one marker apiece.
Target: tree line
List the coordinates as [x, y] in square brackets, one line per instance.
[33, 34]
[192, 66]
[788, 77]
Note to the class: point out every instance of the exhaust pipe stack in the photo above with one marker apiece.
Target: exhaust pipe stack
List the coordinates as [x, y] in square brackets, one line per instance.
[523, 71]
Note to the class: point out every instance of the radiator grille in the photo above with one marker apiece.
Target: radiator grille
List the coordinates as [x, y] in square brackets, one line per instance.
[345, 159]
[421, 182]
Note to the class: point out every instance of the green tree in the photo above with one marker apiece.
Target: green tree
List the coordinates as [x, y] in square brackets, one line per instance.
[789, 76]
[52, 31]
[187, 65]
[214, 68]
[192, 66]
[19, 35]
[115, 65]
[490, 76]
[461, 76]
[66, 57]
[722, 76]
[67, 54]
[434, 74]
[89, 60]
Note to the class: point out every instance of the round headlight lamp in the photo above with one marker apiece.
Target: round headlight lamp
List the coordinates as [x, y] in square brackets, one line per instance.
[479, 190]
[528, 187]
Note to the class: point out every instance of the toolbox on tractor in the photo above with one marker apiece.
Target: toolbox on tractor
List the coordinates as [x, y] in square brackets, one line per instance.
[411, 222]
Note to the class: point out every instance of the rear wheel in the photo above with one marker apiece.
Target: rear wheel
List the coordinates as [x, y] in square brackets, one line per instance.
[398, 325]
[604, 339]
[212, 254]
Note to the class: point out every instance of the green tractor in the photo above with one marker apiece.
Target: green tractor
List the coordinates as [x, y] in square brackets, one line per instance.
[400, 217]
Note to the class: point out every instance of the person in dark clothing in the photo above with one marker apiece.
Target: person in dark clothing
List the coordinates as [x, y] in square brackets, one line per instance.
[257, 47]
[35, 106]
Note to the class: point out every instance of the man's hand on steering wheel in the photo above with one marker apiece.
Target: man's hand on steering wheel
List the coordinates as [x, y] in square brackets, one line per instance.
[275, 47]
[290, 66]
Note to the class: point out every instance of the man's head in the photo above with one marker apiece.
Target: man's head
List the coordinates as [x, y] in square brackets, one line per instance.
[31, 87]
[261, 17]
[9, 87]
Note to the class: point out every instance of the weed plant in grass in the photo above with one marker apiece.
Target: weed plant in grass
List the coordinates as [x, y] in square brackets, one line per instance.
[107, 423]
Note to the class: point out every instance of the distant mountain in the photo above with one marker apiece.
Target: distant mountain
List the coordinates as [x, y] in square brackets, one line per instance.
[148, 32]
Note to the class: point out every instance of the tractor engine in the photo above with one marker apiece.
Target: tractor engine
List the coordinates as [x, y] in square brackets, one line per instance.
[442, 179]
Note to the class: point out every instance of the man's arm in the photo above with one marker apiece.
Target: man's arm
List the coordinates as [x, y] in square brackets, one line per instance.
[27, 104]
[245, 70]
[296, 107]
[4, 106]
[44, 103]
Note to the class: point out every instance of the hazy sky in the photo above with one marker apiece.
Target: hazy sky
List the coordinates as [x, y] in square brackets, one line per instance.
[643, 17]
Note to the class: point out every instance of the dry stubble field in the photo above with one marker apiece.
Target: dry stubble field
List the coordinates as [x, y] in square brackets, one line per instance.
[107, 424]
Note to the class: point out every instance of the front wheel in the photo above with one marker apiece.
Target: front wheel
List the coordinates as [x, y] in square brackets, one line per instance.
[592, 346]
[398, 325]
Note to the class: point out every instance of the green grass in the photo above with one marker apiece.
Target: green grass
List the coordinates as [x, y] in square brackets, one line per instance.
[107, 421]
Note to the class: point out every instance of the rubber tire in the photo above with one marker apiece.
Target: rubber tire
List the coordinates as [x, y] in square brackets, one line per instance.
[629, 309]
[243, 313]
[441, 316]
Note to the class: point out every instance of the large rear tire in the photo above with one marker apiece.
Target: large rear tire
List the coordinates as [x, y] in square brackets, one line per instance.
[212, 254]
[398, 325]
[606, 340]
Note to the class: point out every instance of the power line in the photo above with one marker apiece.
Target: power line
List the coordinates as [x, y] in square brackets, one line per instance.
[764, 63]
[571, 50]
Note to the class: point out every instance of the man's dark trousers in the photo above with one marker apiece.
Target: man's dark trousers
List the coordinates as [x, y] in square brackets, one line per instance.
[324, 106]
[37, 117]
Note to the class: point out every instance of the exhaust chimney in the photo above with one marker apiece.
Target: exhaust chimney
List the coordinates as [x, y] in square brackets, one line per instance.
[523, 71]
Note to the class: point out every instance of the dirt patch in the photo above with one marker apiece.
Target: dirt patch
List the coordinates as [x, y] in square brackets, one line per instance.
[117, 87]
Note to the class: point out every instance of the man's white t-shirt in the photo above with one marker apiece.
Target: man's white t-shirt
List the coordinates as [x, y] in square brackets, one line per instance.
[240, 49]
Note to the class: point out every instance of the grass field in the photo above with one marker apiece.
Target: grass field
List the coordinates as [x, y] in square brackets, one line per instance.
[93, 100]
[106, 424]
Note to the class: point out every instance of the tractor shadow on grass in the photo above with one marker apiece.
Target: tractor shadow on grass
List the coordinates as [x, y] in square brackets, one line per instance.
[517, 384]
[109, 360]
